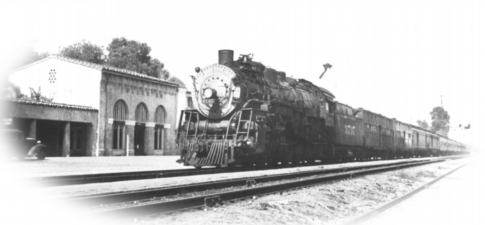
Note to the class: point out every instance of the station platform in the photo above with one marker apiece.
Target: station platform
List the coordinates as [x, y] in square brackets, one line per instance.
[58, 166]
[458, 198]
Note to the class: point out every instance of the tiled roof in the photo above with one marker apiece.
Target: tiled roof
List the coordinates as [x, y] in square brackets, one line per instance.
[110, 68]
[52, 104]
[102, 67]
[75, 61]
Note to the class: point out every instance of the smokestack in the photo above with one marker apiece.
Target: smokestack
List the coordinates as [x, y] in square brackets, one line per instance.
[226, 57]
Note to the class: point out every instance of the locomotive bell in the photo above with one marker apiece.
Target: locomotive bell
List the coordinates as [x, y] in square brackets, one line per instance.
[226, 57]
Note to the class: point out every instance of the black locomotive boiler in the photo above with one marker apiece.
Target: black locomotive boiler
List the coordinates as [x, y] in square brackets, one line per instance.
[245, 113]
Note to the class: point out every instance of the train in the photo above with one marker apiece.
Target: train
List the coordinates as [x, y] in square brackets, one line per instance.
[245, 113]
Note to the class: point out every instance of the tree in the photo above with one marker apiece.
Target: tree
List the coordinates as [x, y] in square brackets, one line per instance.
[440, 121]
[423, 124]
[177, 81]
[84, 51]
[37, 96]
[164, 74]
[122, 53]
[12, 91]
[133, 55]
[30, 56]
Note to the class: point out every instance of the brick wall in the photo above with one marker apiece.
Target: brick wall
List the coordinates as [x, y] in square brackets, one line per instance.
[134, 91]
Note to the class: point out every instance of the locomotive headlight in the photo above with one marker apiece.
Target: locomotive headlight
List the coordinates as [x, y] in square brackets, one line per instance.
[207, 93]
[237, 93]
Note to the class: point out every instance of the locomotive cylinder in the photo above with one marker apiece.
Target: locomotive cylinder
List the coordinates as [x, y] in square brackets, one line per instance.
[226, 57]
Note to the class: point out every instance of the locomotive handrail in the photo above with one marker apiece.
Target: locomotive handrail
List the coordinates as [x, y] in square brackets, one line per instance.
[252, 100]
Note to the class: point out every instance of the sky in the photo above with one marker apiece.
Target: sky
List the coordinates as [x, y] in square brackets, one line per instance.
[397, 58]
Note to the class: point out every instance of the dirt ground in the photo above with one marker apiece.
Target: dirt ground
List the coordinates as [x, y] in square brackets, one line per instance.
[332, 203]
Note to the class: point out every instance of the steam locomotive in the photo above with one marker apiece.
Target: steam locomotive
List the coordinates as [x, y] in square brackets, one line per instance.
[246, 113]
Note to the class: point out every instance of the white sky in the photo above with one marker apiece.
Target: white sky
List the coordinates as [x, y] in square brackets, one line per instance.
[393, 58]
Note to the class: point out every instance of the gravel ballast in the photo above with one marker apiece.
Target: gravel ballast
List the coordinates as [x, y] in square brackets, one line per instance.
[333, 203]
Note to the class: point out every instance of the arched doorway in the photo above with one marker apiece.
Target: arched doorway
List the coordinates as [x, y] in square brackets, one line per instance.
[120, 114]
[159, 132]
[141, 117]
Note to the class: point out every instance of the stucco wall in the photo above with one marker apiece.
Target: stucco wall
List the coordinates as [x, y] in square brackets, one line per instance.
[63, 81]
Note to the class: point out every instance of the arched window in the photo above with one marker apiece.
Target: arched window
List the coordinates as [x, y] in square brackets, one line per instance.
[141, 113]
[160, 115]
[159, 134]
[120, 114]
[120, 111]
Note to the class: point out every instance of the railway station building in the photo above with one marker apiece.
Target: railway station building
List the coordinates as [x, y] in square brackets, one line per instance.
[78, 108]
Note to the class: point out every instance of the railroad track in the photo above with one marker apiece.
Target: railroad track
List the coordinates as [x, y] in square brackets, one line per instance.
[51, 181]
[158, 201]
[389, 205]
[65, 180]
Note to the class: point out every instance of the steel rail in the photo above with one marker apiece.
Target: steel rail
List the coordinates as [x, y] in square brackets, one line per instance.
[389, 205]
[119, 197]
[220, 198]
[64, 180]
